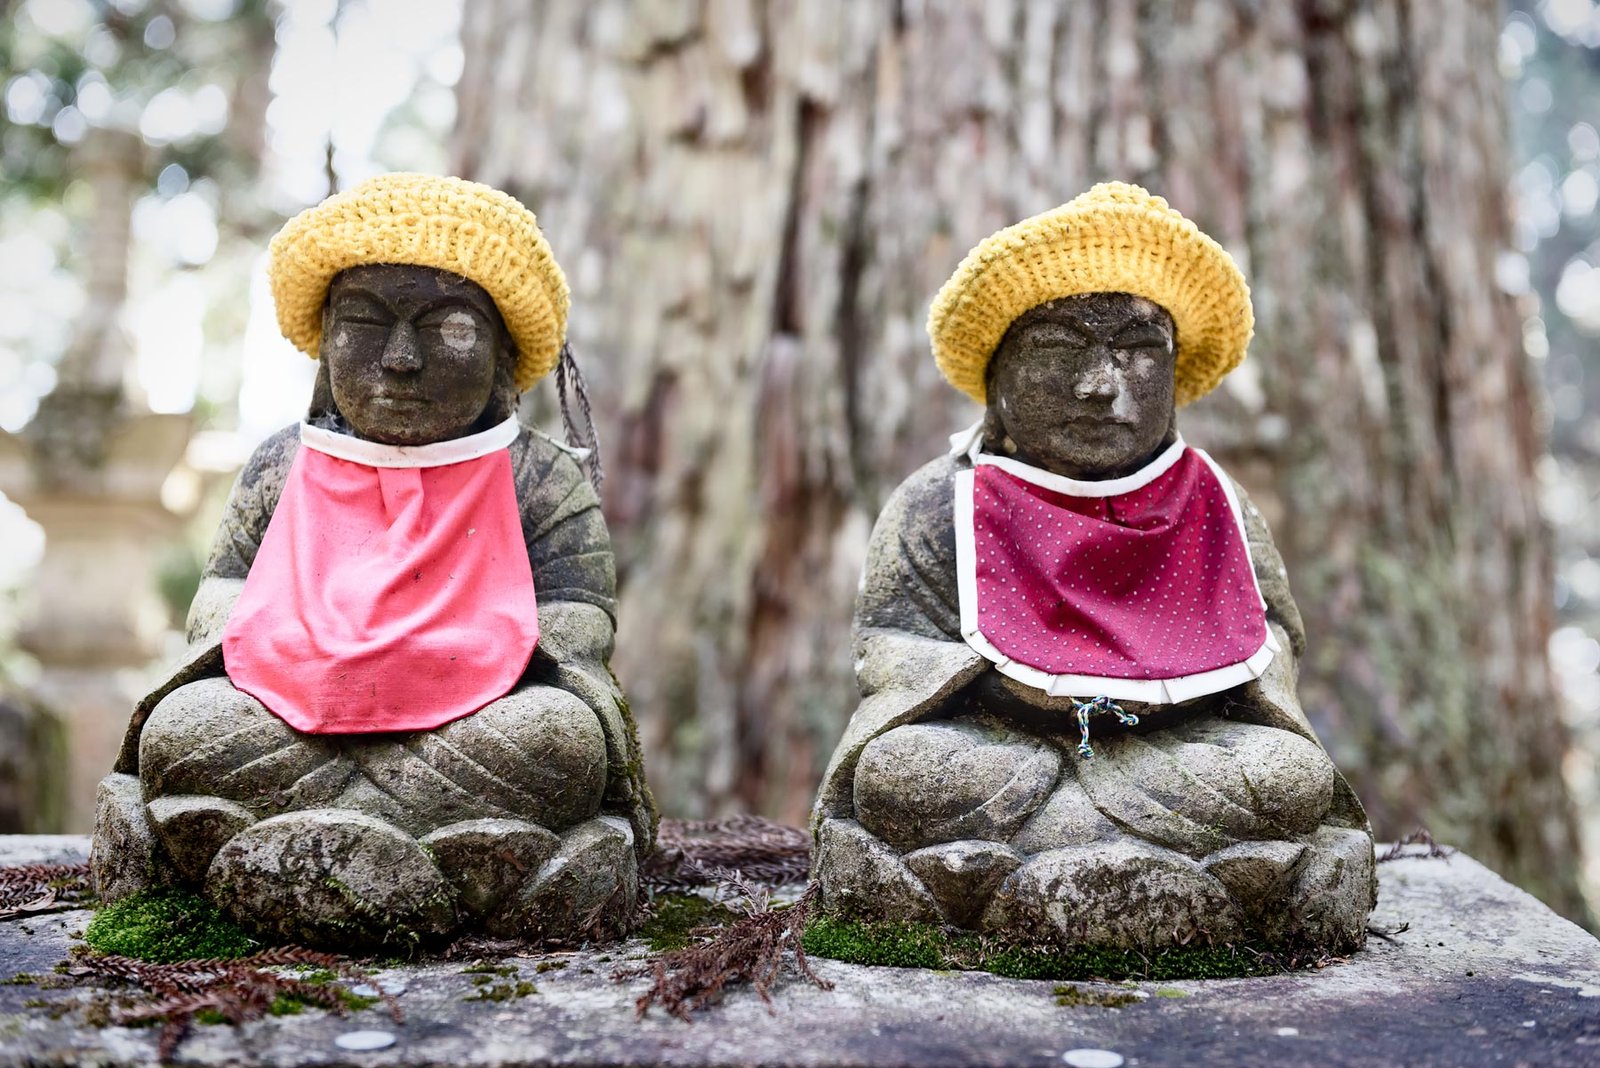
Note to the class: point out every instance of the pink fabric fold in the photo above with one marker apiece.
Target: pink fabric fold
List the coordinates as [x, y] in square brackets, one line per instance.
[385, 598]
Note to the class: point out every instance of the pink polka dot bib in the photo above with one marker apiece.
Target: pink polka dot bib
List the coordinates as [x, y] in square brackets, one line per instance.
[1138, 588]
[392, 590]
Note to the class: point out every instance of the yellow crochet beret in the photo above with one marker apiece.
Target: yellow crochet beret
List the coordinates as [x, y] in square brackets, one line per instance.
[1115, 238]
[463, 227]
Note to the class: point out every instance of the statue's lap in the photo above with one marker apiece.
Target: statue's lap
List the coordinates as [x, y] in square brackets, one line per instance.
[1194, 786]
[537, 754]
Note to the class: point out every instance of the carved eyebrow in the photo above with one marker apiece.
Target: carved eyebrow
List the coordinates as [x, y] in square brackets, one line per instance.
[355, 295]
[1047, 327]
[447, 304]
[1142, 331]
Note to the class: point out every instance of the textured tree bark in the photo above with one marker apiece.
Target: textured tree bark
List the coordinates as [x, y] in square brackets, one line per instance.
[756, 201]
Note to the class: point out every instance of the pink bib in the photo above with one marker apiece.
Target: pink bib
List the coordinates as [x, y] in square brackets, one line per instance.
[1134, 589]
[392, 590]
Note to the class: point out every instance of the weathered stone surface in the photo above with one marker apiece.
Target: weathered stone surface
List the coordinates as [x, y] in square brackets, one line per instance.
[485, 860]
[926, 783]
[192, 828]
[587, 889]
[962, 875]
[864, 878]
[1201, 785]
[1121, 893]
[207, 738]
[536, 754]
[1067, 818]
[327, 877]
[1257, 874]
[127, 856]
[1333, 891]
[1485, 977]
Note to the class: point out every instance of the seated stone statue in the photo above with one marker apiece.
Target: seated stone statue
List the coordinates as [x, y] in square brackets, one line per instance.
[1075, 640]
[396, 720]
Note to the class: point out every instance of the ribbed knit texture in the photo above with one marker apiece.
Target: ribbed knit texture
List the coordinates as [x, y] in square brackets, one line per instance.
[454, 225]
[1115, 238]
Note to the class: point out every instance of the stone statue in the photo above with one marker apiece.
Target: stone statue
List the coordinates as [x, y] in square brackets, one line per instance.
[377, 738]
[1075, 640]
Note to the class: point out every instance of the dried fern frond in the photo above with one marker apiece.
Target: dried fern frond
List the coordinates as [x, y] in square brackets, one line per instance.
[692, 853]
[30, 888]
[751, 949]
[1419, 837]
[237, 990]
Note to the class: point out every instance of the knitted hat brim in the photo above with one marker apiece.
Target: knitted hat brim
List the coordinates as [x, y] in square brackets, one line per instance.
[449, 224]
[1097, 244]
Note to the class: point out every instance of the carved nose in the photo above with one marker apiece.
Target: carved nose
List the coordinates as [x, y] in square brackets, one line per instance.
[400, 353]
[1100, 381]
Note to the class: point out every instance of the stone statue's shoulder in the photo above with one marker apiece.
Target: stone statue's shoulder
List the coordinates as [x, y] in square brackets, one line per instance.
[252, 502]
[536, 456]
[925, 501]
[267, 469]
[909, 582]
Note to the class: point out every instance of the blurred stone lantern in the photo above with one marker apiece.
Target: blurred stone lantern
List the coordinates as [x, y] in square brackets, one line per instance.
[89, 468]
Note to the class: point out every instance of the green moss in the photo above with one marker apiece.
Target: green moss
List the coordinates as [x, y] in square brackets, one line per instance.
[286, 1005]
[675, 915]
[550, 966]
[504, 991]
[921, 945]
[486, 968]
[165, 926]
[210, 1016]
[294, 1005]
[1075, 996]
[1169, 992]
[20, 979]
[634, 769]
[897, 945]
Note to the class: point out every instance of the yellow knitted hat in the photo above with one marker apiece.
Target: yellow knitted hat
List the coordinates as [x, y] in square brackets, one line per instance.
[463, 227]
[1115, 238]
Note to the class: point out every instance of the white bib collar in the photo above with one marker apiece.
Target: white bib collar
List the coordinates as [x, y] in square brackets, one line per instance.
[376, 454]
[969, 442]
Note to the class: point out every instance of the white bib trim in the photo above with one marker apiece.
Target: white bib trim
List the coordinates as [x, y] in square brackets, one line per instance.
[440, 453]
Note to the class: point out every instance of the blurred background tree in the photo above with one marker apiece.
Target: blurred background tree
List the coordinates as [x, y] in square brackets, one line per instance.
[1551, 53]
[755, 202]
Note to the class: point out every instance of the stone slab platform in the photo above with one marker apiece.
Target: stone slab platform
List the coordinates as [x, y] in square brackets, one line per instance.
[1484, 976]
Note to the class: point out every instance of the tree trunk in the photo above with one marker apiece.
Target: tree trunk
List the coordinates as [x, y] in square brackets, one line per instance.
[756, 201]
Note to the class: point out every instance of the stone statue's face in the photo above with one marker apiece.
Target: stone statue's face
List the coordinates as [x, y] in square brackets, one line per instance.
[1083, 386]
[411, 352]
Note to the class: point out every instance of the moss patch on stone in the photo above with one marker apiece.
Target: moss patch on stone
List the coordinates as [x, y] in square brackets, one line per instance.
[676, 915]
[634, 769]
[165, 927]
[487, 968]
[1076, 996]
[923, 945]
[490, 991]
